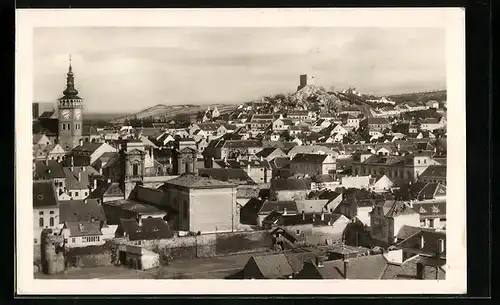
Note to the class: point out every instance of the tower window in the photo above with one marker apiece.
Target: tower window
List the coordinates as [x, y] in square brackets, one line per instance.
[51, 221]
[40, 222]
[69, 126]
[64, 126]
[135, 170]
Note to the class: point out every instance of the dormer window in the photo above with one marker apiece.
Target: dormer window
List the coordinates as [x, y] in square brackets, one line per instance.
[435, 209]
[155, 229]
[39, 197]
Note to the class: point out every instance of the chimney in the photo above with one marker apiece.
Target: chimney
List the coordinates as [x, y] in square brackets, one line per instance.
[81, 142]
[80, 227]
[322, 216]
[319, 262]
[109, 180]
[46, 161]
[100, 171]
[441, 245]
[72, 163]
[420, 271]
[79, 176]
[284, 211]
[303, 215]
[248, 166]
[346, 268]
[422, 242]
[95, 183]
[261, 158]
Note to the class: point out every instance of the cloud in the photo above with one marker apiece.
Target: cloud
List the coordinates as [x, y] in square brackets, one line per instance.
[132, 68]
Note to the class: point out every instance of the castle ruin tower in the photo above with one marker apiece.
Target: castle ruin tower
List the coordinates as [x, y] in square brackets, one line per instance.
[70, 108]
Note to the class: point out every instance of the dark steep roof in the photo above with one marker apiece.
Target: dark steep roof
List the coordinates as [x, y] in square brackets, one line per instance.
[80, 211]
[150, 228]
[44, 194]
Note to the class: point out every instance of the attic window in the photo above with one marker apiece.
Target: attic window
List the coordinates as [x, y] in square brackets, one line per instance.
[138, 230]
[422, 210]
[435, 209]
[155, 229]
[40, 197]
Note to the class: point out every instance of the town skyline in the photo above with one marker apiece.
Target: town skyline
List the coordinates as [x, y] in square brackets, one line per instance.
[121, 70]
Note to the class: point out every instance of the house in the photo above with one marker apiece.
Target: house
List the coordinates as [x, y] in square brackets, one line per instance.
[140, 229]
[378, 124]
[50, 152]
[289, 189]
[399, 169]
[107, 191]
[45, 208]
[269, 207]
[434, 173]
[83, 234]
[313, 164]
[79, 181]
[204, 205]
[259, 170]
[41, 140]
[383, 184]
[300, 115]
[358, 182]
[350, 111]
[320, 125]
[353, 121]
[279, 125]
[274, 266]
[87, 152]
[388, 217]
[426, 244]
[432, 214]
[431, 124]
[310, 149]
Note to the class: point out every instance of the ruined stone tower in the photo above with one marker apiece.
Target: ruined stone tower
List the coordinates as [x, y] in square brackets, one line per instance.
[52, 252]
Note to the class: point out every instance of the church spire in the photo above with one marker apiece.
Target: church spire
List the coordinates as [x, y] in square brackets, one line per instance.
[70, 91]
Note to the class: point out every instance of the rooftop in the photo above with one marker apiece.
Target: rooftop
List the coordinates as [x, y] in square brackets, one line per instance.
[193, 181]
[44, 194]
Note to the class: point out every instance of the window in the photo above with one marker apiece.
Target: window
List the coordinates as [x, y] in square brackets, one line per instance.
[73, 240]
[418, 161]
[70, 194]
[51, 212]
[425, 161]
[69, 126]
[64, 126]
[76, 194]
[51, 221]
[135, 169]
[40, 222]
[35, 241]
[40, 213]
[85, 193]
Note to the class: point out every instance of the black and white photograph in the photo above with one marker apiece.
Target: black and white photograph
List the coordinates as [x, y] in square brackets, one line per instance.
[213, 147]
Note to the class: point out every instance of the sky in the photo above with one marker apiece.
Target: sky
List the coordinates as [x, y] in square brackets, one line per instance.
[129, 69]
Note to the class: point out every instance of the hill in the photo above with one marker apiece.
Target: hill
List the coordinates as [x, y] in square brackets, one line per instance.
[419, 96]
[161, 111]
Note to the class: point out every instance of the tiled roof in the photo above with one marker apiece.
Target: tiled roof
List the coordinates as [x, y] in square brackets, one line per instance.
[434, 171]
[233, 175]
[84, 172]
[44, 194]
[193, 181]
[426, 190]
[264, 153]
[87, 147]
[431, 244]
[365, 267]
[290, 184]
[150, 228]
[280, 162]
[408, 270]
[84, 228]
[47, 114]
[242, 143]
[79, 211]
[106, 189]
[272, 266]
[136, 207]
[48, 171]
[309, 158]
[377, 121]
[393, 208]
[148, 195]
[278, 206]
[430, 210]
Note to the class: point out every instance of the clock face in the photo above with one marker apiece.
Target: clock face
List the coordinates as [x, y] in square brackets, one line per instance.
[78, 114]
[66, 114]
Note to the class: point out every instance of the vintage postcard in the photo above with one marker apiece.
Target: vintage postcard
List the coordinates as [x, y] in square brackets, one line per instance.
[240, 151]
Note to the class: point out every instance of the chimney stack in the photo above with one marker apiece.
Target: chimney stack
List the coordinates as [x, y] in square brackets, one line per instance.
[346, 267]
[441, 245]
[420, 271]
[79, 176]
[319, 262]
[72, 163]
[303, 215]
[284, 211]
[422, 242]
[322, 216]
[95, 183]
[81, 142]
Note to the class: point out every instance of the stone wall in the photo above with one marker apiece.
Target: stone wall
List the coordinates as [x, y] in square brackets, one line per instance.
[91, 256]
[208, 245]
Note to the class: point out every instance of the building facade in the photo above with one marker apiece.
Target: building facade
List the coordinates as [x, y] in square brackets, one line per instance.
[70, 114]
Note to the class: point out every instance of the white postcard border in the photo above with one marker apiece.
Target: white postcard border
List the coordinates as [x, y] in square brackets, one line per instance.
[450, 18]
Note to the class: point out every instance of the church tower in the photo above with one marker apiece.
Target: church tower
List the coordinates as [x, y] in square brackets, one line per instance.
[70, 110]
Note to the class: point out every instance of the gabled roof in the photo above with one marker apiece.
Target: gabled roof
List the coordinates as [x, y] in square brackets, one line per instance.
[278, 206]
[426, 190]
[80, 211]
[431, 242]
[50, 170]
[266, 152]
[377, 121]
[272, 266]
[84, 228]
[87, 147]
[84, 172]
[150, 228]
[44, 194]
[434, 171]
[394, 208]
[105, 189]
[430, 210]
[309, 158]
[242, 144]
